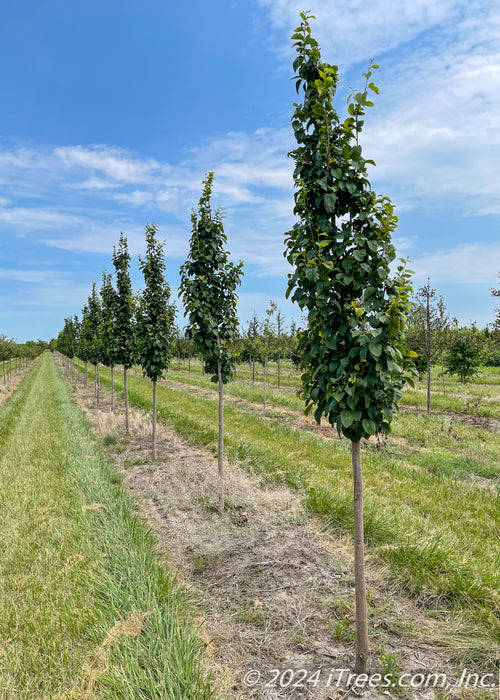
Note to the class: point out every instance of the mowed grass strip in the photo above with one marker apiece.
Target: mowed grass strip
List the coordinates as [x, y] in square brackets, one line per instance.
[439, 537]
[86, 609]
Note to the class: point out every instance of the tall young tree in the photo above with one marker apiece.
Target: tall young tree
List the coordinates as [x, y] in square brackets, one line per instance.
[155, 317]
[85, 342]
[253, 341]
[108, 306]
[351, 351]
[93, 331]
[208, 287]
[280, 337]
[428, 330]
[123, 330]
[268, 328]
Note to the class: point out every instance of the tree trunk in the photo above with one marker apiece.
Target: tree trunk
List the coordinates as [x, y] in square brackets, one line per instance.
[220, 456]
[265, 384]
[125, 390]
[86, 375]
[112, 389]
[362, 647]
[97, 385]
[154, 420]
[279, 370]
[3, 366]
[442, 372]
[428, 386]
[189, 364]
[253, 370]
[428, 353]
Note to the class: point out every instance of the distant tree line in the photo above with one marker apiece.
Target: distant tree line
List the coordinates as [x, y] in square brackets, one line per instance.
[19, 354]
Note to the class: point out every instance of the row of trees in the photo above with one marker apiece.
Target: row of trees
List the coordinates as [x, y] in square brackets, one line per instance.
[19, 353]
[120, 328]
[353, 350]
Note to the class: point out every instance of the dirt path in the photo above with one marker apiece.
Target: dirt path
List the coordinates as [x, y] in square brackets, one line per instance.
[276, 592]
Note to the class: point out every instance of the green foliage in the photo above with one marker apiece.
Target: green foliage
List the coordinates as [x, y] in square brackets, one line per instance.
[123, 330]
[155, 315]
[496, 293]
[90, 334]
[67, 340]
[208, 284]
[108, 311]
[352, 350]
[429, 326]
[85, 338]
[464, 356]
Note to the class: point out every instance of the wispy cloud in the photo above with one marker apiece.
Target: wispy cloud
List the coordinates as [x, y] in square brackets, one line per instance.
[113, 162]
[356, 30]
[476, 263]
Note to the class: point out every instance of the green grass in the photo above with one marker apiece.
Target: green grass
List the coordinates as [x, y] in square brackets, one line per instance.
[480, 397]
[434, 530]
[75, 560]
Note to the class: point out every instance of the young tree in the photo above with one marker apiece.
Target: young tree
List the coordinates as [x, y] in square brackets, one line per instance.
[155, 317]
[351, 351]
[85, 342]
[208, 285]
[280, 337]
[93, 332]
[268, 328]
[123, 329]
[464, 355]
[253, 342]
[428, 330]
[67, 340]
[108, 306]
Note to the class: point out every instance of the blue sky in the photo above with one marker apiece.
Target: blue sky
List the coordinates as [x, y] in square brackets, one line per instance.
[112, 113]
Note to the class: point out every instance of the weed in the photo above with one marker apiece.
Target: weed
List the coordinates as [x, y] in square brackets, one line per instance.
[109, 440]
[389, 666]
[209, 505]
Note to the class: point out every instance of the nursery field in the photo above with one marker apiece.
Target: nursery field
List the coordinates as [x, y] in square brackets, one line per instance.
[90, 610]
[432, 488]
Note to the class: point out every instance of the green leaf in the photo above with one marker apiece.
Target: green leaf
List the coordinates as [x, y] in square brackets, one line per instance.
[312, 273]
[375, 351]
[330, 201]
[369, 426]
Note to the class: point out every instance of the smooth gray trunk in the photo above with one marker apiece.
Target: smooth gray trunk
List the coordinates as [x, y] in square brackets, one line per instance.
[442, 372]
[125, 390]
[220, 456]
[362, 646]
[154, 420]
[265, 384]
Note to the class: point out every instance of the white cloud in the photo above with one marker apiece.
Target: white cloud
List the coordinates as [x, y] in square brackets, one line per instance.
[22, 219]
[355, 29]
[137, 198]
[114, 162]
[32, 276]
[476, 263]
